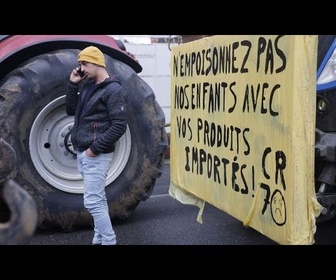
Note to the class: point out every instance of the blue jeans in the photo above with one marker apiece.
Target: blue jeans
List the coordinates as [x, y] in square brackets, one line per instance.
[94, 172]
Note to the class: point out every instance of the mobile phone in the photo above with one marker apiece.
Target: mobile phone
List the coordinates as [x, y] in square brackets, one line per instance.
[80, 73]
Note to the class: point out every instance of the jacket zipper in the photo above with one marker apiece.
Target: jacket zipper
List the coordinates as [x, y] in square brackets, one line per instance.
[94, 131]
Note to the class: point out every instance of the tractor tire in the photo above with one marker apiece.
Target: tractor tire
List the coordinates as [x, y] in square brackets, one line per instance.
[34, 122]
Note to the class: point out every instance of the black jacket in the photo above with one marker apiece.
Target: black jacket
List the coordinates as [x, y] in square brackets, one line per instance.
[102, 119]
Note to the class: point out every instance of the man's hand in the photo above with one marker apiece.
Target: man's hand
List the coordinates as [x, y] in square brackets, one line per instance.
[89, 153]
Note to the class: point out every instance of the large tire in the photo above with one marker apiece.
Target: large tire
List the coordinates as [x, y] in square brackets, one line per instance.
[34, 122]
[325, 119]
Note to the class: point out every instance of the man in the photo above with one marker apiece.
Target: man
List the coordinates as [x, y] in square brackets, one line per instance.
[100, 111]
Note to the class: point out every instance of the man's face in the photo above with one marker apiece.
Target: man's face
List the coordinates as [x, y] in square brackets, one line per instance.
[89, 69]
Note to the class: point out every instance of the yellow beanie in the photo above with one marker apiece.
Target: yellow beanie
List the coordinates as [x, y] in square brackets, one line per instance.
[93, 55]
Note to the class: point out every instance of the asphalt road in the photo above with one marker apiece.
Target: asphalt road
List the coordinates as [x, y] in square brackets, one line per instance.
[162, 220]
